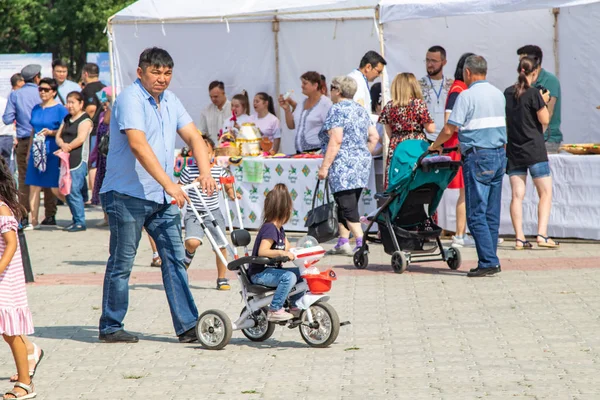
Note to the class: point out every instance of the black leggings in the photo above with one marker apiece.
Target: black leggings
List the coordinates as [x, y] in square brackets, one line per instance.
[347, 202]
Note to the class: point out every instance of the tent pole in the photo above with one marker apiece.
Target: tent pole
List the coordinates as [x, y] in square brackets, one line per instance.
[277, 73]
[556, 12]
[384, 88]
[111, 59]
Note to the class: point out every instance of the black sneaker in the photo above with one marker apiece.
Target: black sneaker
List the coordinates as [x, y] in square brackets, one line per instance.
[49, 221]
[474, 269]
[118, 337]
[188, 336]
[478, 272]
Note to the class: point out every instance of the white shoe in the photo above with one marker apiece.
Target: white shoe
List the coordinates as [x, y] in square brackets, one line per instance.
[279, 315]
[344, 249]
[28, 227]
[500, 240]
[465, 241]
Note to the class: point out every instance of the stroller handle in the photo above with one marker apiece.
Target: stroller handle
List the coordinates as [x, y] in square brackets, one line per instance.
[445, 150]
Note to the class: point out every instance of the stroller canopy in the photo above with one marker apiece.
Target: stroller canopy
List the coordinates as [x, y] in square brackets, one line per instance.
[405, 175]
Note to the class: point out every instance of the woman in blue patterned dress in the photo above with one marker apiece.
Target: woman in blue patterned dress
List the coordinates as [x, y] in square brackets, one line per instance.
[348, 139]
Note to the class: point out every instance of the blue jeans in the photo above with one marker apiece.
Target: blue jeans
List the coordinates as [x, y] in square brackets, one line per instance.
[282, 278]
[483, 170]
[75, 198]
[6, 151]
[127, 216]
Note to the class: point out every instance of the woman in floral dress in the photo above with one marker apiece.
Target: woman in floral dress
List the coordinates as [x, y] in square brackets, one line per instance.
[405, 116]
[348, 139]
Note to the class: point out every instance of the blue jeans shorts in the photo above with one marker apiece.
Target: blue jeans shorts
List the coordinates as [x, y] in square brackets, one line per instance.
[539, 170]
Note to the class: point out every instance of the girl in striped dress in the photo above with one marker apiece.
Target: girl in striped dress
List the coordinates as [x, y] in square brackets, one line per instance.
[15, 317]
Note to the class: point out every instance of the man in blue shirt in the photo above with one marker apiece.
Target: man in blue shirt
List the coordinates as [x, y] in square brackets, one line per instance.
[137, 193]
[480, 116]
[19, 106]
[60, 72]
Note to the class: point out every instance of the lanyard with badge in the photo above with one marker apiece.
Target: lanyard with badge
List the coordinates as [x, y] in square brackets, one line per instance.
[438, 94]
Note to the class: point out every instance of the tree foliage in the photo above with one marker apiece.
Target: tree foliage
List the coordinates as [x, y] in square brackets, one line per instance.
[68, 29]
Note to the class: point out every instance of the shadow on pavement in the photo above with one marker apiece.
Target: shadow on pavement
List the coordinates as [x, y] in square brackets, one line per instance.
[268, 344]
[85, 334]
[412, 268]
[85, 263]
[89, 334]
[161, 287]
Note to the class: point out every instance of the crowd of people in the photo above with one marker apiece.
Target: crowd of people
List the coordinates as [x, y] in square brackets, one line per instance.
[497, 133]
[42, 119]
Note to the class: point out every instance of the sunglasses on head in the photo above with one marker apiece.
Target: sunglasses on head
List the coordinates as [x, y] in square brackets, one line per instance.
[43, 89]
[333, 87]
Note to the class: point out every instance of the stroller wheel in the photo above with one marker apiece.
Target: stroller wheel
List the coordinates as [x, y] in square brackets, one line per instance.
[361, 259]
[214, 329]
[454, 258]
[399, 262]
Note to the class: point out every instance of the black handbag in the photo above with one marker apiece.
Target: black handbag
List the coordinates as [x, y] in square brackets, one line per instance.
[322, 221]
[103, 144]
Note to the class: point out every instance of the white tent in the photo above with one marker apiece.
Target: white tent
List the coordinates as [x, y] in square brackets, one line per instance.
[266, 45]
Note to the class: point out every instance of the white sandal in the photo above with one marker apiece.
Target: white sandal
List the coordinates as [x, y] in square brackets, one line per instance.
[30, 394]
[34, 357]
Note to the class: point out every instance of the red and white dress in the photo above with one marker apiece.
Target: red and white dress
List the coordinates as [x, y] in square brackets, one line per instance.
[15, 316]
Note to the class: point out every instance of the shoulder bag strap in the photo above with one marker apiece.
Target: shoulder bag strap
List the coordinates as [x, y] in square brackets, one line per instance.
[327, 197]
[61, 98]
[315, 194]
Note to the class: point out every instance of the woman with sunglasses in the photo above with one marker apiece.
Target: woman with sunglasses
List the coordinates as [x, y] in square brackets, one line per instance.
[46, 118]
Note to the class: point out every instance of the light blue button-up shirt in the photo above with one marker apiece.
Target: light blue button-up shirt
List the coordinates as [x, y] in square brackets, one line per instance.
[136, 109]
[19, 106]
[66, 88]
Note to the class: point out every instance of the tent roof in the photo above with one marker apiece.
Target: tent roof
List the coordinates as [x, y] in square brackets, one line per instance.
[391, 10]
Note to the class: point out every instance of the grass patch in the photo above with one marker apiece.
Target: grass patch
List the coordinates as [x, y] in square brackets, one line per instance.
[250, 392]
[352, 348]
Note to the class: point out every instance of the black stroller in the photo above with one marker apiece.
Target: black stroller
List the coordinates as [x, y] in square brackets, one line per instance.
[406, 229]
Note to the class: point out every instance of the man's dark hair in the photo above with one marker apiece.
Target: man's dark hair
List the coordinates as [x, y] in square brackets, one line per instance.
[460, 67]
[59, 63]
[91, 69]
[373, 58]
[532, 50]
[155, 57]
[16, 78]
[438, 49]
[216, 84]
[50, 82]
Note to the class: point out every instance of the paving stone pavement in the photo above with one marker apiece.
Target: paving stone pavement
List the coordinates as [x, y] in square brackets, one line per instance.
[431, 333]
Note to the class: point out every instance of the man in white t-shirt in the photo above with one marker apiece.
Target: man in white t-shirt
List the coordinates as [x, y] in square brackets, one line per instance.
[435, 87]
[370, 68]
[216, 113]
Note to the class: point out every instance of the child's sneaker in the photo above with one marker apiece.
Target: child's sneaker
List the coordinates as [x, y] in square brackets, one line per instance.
[279, 315]
[223, 284]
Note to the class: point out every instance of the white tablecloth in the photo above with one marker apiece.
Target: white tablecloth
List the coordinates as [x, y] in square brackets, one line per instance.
[300, 176]
[575, 201]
